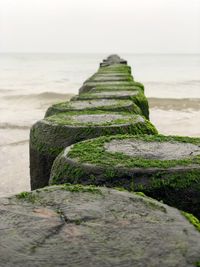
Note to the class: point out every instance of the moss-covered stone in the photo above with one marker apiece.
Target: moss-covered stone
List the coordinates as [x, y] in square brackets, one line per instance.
[135, 95]
[115, 68]
[104, 227]
[111, 85]
[133, 85]
[96, 104]
[50, 136]
[165, 168]
[99, 78]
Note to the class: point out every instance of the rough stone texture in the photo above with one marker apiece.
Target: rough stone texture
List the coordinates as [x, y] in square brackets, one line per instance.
[96, 104]
[110, 78]
[99, 118]
[50, 136]
[166, 168]
[109, 94]
[153, 150]
[94, 227]
[89, 85]
[135, 95]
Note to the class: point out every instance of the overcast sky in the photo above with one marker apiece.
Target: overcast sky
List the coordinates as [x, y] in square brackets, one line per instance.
[121, 26]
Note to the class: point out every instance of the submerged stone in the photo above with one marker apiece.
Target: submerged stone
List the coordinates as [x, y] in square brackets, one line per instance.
[96, 104]
[166, 168]
[51, 135]
[91, 226]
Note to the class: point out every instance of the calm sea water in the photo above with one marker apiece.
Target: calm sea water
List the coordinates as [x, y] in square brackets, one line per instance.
[29, 83]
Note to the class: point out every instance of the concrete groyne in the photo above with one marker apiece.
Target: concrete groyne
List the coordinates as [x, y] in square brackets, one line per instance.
[96, 163]
[112, 107]
[110, 102]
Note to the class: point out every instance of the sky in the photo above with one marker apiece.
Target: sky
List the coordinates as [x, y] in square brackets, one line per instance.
[100, 26]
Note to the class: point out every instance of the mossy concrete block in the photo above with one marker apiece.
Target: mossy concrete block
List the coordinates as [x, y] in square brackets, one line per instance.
[105, 86]
[109, 94]
[99, 78]
[77, 226]
[50, 136]
[113, 85]
[135, 95]
[115, 68]
[94, 104]
[166, 168]
[133, 85]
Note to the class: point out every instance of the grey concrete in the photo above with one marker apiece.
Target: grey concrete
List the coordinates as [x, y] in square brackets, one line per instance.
[94, 227]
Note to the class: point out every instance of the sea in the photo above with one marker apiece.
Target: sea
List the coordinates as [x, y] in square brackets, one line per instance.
[29, 83]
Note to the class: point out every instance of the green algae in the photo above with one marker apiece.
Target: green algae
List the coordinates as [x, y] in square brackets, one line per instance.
[112, 84]
[28, 196]
[78, 188]
[93, 151]
[139, 98]
[115, 68]
[117, 106]
[60, 135]
[66, 118]
[114, 78]
[33, 197]
[192, 219]
[122, 86]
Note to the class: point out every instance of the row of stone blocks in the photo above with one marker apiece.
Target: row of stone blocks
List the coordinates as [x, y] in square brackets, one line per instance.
[103, 137]
[113, 107]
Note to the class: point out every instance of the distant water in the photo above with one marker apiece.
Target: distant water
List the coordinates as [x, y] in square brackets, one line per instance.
[29, 83]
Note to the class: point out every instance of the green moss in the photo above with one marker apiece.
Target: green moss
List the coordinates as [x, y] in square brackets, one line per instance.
[117, 106]
[23, 195]
[192, 219]
[93, 151]
[112, 84]
[107, 94]
[28, 196]
[197, 264]
[66, 118]
[121, 87]
[51, 139]
[78, 188]
[141, 194]
[98, 78]
[139, 99]
[165, 181]
[115, 68]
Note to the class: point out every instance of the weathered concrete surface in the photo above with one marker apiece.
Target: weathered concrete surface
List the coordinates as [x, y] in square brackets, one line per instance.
[114, 85]
[166, 168]
[135, 95]
[50, 136]
[96, 104]
[153, 150]
[110, 94]
[87, 226]
[115, 77]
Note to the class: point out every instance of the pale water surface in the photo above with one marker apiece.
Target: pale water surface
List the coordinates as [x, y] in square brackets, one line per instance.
[29, 83]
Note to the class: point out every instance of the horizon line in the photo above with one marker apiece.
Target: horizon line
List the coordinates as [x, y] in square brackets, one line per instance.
[91, 53]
